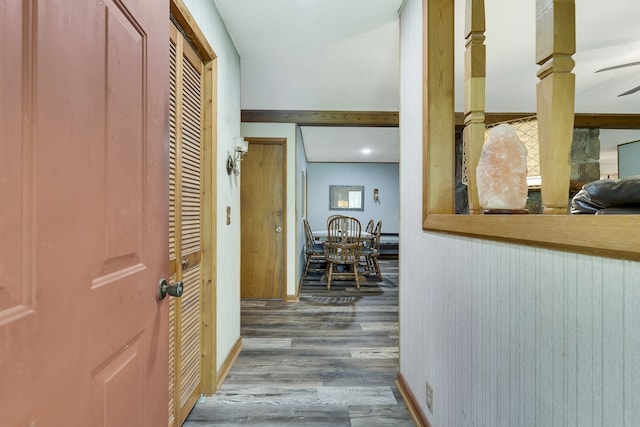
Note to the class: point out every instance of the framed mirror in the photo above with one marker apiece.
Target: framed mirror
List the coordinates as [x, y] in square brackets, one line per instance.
[346, 197]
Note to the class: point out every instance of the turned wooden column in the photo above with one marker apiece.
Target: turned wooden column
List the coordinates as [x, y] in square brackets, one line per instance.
[474, 95]
[555, 45]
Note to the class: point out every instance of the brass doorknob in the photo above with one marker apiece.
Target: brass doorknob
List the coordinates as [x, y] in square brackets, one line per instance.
[174, 289]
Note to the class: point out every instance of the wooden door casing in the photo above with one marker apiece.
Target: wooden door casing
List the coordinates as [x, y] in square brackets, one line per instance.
[185, 225]
[84, 190]
[263, 219]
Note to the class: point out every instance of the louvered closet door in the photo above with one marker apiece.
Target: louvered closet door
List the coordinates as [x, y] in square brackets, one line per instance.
[185, 154]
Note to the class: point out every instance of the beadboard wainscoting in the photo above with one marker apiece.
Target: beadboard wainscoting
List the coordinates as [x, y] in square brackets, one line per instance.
[506, 334]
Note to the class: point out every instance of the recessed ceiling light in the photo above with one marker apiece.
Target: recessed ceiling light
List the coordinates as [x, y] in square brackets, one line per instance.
[366, 150]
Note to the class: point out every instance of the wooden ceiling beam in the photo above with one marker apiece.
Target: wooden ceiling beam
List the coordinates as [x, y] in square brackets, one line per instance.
[324, 118]
[581, 120]
[607, 121]
[391, 118]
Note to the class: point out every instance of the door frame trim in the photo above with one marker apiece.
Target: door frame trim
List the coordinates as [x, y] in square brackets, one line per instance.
[188, 25]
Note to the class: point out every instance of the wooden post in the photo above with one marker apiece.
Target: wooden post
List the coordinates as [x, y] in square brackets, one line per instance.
[438, 109]
[474, 95]
[555, 45]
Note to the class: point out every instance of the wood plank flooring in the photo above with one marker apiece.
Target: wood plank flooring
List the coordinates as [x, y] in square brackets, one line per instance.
[330, 359]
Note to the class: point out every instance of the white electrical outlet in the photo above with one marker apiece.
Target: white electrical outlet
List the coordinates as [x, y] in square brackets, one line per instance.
[430, 397]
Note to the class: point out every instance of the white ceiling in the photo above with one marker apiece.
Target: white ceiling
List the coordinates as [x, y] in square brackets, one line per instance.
[336, 144]
[343, 55]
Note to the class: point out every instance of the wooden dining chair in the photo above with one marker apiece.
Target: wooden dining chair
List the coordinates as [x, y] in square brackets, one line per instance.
[369, 227]
[371, 253]
[343, 248]
[330, 217]
[313, 251]
[347, 229]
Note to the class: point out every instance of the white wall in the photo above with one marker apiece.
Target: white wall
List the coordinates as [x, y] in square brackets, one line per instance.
[610, 140]
[383, 176]
[508, 335]
[301, 168]
[288, 131]
[228, 187]
[629, 159]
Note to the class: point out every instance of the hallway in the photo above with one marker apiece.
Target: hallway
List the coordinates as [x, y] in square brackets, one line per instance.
[329, 360]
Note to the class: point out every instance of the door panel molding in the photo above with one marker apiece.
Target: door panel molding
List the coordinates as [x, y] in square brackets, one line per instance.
[84, 339]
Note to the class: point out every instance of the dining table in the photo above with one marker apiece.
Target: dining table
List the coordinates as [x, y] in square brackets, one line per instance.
[323, 235]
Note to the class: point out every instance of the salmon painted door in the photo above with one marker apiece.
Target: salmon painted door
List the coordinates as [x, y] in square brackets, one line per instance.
[262, 228]
[83, 193]
[185, 221]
